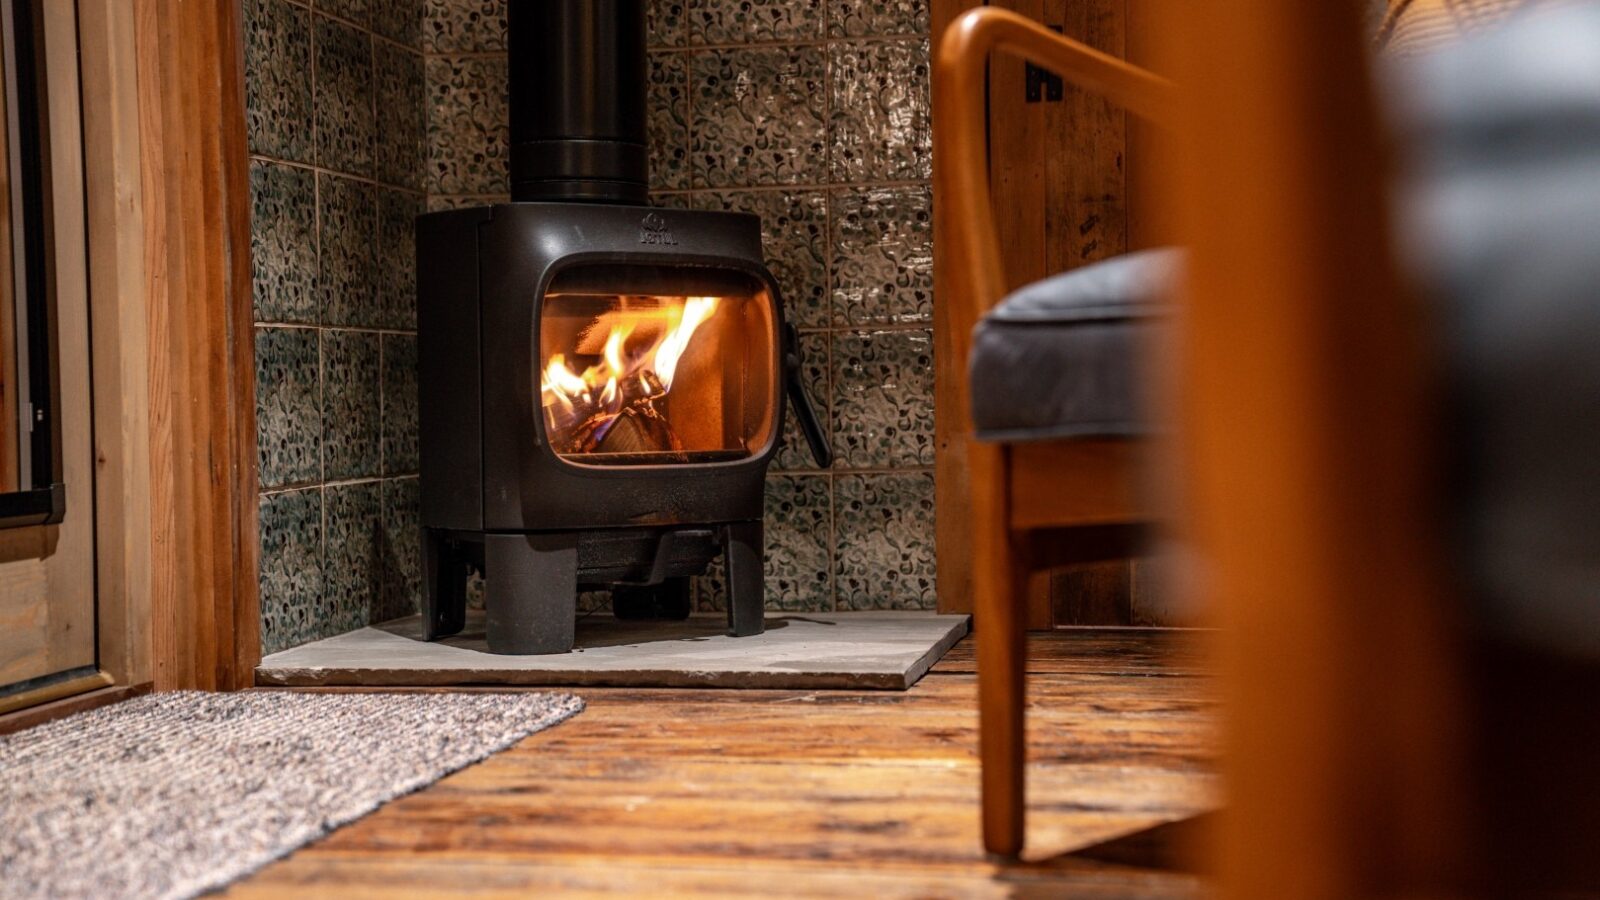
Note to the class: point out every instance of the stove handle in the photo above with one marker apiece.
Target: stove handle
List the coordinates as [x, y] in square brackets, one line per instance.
[800, 401]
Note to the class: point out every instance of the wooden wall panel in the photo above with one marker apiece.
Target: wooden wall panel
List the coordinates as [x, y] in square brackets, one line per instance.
[1058, 174]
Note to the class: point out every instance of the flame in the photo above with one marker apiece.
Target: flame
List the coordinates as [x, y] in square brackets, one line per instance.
[599, 389]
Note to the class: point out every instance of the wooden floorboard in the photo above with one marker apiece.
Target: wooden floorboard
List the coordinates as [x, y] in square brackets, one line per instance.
[807, 793]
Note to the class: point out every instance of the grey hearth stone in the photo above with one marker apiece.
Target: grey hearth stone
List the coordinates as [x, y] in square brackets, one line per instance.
[859, 650]
[177, 794]
[1061, 357]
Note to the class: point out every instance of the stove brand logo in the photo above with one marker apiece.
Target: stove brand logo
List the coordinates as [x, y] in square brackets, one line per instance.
[654, 230]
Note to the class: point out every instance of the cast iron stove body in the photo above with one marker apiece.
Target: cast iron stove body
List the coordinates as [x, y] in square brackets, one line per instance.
[601, 383]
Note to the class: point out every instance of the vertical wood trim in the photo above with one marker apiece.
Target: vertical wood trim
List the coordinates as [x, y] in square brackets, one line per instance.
[10, 459]
[952, 497]
[196, 196]
[245, 625]
[118, 306]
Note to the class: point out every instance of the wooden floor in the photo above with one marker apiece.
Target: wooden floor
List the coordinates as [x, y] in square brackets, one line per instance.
[653, 793]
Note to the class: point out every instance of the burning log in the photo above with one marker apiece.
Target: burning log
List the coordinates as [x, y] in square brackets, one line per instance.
[611, 407]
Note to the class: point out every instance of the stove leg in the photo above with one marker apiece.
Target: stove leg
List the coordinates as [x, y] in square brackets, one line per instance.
[444, 587]
[530, 592]
[741, 555]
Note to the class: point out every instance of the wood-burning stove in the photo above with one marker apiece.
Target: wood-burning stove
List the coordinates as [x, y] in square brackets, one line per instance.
[601, 383]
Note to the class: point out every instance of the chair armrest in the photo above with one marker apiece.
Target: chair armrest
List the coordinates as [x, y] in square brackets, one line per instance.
[960, 136]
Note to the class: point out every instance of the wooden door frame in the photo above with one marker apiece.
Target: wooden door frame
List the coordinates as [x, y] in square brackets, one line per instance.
[196, 193]
[168, 223]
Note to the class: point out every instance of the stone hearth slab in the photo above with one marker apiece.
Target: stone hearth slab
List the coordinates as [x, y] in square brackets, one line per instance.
[857, 650]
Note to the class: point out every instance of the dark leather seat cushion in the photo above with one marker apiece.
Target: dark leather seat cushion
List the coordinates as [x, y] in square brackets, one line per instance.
[1060, 357]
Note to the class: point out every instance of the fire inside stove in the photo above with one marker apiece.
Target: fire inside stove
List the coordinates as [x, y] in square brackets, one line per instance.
[683, 373]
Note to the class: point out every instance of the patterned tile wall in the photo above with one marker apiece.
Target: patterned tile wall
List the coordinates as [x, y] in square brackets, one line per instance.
[336, 100]
[813, 114]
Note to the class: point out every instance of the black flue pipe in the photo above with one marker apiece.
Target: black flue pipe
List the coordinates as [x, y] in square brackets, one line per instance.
[577, 72]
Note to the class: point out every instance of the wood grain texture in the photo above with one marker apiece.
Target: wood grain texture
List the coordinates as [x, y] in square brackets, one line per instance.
[120, 336]
[785, 793]
[952, 526]
[11, 723]
[1311, 477]
[205, 629]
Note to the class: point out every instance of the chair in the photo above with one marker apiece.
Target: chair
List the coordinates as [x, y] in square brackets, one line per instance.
[1052, 466]
[1409, 645]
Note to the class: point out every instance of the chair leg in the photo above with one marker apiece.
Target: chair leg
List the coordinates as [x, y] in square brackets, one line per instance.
[999, 588]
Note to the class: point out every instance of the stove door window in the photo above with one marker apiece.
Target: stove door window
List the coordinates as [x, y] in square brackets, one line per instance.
[654, 365]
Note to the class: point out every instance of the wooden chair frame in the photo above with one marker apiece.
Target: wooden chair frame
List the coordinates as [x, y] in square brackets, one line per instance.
[1036, 505]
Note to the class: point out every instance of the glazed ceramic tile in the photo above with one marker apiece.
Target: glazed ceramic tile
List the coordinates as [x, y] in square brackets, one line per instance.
[882, 247]
[465, 26]
[351, 416]
[664, 23]
[277, 84]
[352, 575]
[288, 404]
[795, 453]
[669, 121]
[468, 130]
[754, 21]
[283, 243]
[348, 268]
[708, 589]
[356, 11]
[877, 18]
[396, 275]
[399, 20]
[799, 528]
[437, 202]
[879, 127]
[758, 116]
[793, 234]
[884, 541]
[344, 113]
[883, 399]
[399, 404]
[291, 567]
[399, 550]
[402, 123]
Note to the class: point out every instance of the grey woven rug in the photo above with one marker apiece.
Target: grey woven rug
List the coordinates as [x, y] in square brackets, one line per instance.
[171, 795]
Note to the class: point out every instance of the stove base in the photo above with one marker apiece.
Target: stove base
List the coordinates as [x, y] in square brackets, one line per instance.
[532, 579]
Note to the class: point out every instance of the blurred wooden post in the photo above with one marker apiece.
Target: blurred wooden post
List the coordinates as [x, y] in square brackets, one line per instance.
[1306, 429]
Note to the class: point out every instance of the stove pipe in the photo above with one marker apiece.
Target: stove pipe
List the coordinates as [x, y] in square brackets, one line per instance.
[577, 71]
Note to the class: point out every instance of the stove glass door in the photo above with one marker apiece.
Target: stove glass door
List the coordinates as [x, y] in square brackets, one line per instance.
[650, 365]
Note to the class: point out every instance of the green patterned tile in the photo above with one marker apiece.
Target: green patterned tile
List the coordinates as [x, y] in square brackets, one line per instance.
[351, 412]
[288, 404]
[884, 541]
[291, 568]
[343, 106]
[882, 246]
[283, 243]
[883, 399]
[758, 116]
[277, 82]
